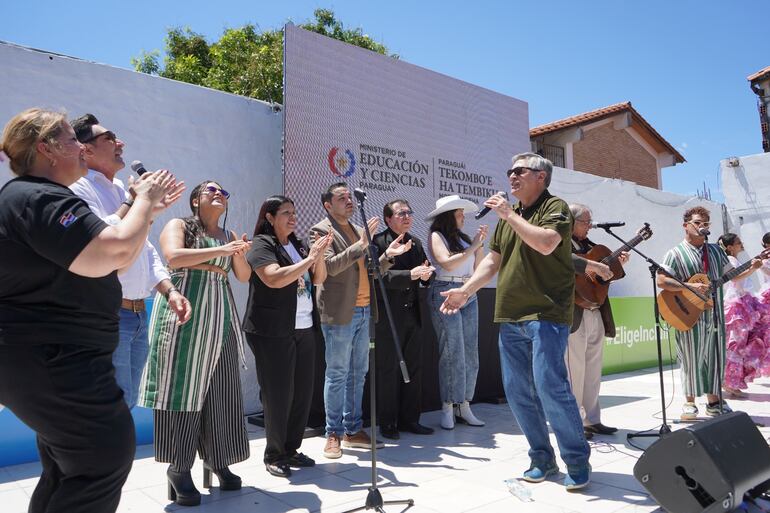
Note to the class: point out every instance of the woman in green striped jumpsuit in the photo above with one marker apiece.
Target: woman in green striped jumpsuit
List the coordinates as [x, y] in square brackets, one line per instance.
[191, 379]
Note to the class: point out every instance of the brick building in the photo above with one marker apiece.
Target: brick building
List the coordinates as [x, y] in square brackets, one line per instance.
[614, 142]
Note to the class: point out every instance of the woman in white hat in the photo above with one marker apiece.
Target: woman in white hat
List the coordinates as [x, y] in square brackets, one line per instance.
[455, 255]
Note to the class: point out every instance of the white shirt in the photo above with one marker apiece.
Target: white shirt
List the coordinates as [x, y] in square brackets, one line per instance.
[304, 317]
[104, 199]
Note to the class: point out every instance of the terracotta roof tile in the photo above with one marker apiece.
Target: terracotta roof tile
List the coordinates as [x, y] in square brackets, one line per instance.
[596, 115]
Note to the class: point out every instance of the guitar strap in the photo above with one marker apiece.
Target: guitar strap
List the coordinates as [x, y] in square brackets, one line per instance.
[705, 259]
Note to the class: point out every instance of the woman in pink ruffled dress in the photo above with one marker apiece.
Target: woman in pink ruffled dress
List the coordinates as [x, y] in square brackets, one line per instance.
[745, 317]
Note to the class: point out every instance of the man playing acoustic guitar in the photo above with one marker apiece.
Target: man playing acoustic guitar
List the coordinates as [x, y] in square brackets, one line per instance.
[586, 340]
[695, 348]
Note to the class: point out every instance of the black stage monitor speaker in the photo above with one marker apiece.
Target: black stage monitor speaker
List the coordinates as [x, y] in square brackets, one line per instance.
[707, 467]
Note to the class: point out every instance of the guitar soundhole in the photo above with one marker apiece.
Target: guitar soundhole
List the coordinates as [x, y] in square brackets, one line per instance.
[681, 305]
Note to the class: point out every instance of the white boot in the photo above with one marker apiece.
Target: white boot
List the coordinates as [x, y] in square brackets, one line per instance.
[466, 416]
[447, 416]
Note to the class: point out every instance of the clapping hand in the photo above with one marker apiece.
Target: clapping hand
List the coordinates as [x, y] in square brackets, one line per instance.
[318, 248]
[237, 247]
[396, 248]
[173, 189]
[480, 237]
[422, 272]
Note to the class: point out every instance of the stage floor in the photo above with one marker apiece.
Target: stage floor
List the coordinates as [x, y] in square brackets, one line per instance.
[450, 471]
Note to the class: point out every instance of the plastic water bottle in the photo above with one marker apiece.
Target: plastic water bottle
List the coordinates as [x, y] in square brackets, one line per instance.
[523, 493]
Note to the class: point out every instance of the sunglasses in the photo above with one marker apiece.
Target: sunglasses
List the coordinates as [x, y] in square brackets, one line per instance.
[518, 171]
[109, 135]
[404, 214]
[705, 224]
[210, 189]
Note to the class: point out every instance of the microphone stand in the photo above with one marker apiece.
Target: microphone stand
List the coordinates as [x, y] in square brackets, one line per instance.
[374, 497]
[715, 324]
[655, 268]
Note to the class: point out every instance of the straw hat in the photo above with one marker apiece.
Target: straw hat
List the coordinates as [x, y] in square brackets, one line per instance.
[449, 203]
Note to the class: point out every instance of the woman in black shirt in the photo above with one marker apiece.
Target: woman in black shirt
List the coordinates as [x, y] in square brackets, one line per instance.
[59, 301]
[280, 328]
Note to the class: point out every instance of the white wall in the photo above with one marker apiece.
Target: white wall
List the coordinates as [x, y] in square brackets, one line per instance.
[196, 132]
[746, 187]
[618, 200]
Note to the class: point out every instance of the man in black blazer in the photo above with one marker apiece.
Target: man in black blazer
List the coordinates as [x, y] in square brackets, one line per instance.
[398, 403]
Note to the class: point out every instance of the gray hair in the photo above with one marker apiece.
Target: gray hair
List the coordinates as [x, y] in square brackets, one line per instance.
[535, 162]
[578, 210]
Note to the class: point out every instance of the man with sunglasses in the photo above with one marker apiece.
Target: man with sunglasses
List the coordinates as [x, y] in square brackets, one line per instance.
[531, 250]
[696, 348]
[398, 403]
[108, 199]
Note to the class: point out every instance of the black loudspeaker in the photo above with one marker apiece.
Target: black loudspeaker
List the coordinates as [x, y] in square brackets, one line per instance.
[707, 467]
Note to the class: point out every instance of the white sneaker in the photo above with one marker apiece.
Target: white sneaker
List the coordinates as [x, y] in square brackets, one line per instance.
[689, 411]
[466, 416]
[447, 416]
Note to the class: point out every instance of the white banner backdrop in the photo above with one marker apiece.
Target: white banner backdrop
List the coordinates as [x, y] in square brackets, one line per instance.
[391, 128]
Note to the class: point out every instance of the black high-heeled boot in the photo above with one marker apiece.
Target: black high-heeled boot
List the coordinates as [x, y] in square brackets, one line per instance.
[181, 488]
[227, 480]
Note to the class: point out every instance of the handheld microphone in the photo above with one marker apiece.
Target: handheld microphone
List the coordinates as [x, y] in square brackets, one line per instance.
[704, 231]
[604, 226]
[484, 211]
[138, 167]
[359, 194]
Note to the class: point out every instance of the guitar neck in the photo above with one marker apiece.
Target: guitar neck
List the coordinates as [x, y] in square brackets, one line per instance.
[615, 254]
[732, 273]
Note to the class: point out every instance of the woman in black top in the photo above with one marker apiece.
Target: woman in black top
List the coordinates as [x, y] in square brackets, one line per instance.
[59, 301]
[279, 325]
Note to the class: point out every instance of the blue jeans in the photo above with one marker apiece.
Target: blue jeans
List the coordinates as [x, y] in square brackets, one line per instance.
[347, 362]
[458, 345]
[537, 389]
[131, 354]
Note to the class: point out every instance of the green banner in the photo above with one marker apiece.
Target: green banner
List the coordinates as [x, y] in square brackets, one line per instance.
[635, 345]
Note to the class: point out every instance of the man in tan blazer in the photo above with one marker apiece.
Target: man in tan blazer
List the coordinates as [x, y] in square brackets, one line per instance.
[343, 304]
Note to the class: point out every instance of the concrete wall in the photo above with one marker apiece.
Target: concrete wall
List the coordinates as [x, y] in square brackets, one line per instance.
[746, 186]
[196, 132]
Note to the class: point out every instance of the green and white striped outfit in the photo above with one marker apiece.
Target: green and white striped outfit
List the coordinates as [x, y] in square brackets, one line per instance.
[695, 348]
[183, 360]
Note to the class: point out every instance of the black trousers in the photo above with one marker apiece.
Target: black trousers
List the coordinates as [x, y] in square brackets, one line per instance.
[85, 433]
[285, 373]
[398, 403]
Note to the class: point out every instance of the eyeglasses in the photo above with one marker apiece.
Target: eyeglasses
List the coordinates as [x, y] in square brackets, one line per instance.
[109, 135]
[584, 221]
[704, 224]
[403, 214]
[210, 189]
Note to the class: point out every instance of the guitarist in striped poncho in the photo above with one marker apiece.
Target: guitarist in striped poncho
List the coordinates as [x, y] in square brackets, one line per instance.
[695, 348]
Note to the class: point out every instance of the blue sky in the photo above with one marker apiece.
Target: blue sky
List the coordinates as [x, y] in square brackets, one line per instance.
[683, 64]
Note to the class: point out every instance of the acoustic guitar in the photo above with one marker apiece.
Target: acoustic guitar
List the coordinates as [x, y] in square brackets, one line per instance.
[682, 308]
[590, 290]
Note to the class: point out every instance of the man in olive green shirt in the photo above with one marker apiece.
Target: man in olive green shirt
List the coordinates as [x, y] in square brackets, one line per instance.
[531, 251]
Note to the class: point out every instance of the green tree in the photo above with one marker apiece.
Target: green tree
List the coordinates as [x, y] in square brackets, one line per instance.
[244, 60]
